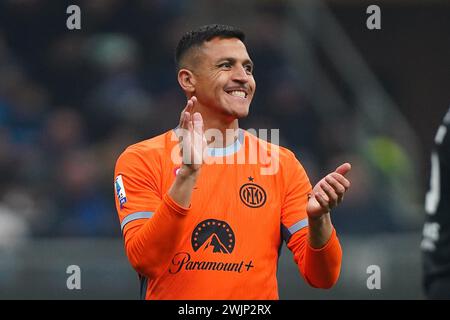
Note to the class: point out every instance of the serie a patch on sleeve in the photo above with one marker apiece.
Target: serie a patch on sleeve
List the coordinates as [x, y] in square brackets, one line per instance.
[120, 191]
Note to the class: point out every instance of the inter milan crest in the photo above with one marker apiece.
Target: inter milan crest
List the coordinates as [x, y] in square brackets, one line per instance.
[252, 195]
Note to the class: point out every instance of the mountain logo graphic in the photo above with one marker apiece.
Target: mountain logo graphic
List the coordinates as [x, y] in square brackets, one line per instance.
[213, 236]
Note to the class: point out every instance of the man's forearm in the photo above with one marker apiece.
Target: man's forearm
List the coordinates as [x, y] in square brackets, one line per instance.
[146, 245]
[320, 230]
[182, 187]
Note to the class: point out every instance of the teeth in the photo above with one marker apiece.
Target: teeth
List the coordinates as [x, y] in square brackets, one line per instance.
[240, 94]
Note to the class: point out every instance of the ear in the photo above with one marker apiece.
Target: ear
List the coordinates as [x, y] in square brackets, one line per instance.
[187, 81]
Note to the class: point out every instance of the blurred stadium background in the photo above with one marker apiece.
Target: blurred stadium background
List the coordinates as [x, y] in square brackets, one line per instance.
[71, 101]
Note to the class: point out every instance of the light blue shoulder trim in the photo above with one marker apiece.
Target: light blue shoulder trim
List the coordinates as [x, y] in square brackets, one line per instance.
[135, 216]
[288, 232]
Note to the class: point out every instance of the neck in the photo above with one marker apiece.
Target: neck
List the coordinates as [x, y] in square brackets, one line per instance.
[228, 133]
[227, 126]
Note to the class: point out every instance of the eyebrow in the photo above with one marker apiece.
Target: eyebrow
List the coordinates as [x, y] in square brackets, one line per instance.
[233, 61]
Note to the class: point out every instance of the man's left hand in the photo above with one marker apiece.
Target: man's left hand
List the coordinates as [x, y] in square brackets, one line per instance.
[328, 192]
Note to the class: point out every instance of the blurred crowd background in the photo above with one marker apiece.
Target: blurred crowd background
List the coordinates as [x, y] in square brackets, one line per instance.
[72, 100]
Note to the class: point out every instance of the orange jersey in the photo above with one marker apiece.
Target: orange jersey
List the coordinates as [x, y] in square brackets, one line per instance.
[226, 244]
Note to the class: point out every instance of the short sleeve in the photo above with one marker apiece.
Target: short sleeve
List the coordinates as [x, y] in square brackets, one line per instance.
[137, 184]
[293, 211]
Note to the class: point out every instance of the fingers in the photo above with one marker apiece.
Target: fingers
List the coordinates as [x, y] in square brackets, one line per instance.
[190, 104]
[197, 123]
[322, 201]
[192, 136]
[193, 122]
[189, 108]
[344, 168]
[332, 196]
[342, 180]
[194, 101]
[333, 187]
[330, 191]
[190, 124]
[337, 186]
[185, 119]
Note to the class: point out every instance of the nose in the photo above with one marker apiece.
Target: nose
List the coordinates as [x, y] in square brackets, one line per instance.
[240, 74]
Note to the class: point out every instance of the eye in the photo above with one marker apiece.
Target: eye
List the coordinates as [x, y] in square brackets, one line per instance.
[249, 68]
[225, 65]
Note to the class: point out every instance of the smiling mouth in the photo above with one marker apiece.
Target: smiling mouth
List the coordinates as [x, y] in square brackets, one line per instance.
[238, 93]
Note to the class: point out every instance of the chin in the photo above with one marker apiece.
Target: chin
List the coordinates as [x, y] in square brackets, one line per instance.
[239, 111]
[234, 111]
[242, 114]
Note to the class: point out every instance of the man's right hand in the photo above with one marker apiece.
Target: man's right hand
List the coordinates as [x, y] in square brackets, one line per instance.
[192, 139]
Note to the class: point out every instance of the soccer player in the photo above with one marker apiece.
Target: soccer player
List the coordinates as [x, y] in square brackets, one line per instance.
[436, 232]
[201, 219]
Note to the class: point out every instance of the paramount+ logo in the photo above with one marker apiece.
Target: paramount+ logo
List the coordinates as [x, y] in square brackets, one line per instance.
[213, 235]
[210, 237]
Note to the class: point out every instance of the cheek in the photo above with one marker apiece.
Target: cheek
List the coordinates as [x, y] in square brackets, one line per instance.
[214, 84]
[212, 94]
[253, 84]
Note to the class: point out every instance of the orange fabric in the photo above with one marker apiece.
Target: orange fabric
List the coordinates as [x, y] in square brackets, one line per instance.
[143, 240]
[226, 244]
[319, 267]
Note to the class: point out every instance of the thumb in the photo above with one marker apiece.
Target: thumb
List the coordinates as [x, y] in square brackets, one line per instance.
[344, 168]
